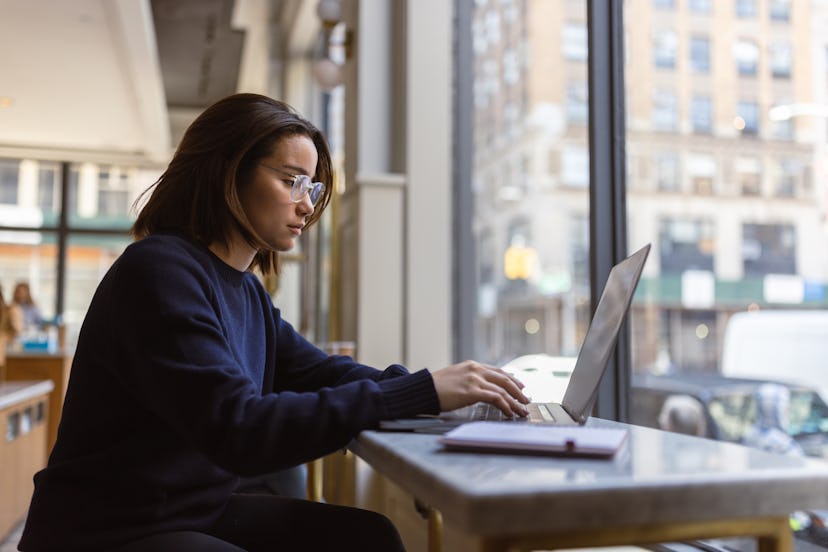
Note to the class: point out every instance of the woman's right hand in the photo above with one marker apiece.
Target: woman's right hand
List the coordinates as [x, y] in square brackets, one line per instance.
[469, 382]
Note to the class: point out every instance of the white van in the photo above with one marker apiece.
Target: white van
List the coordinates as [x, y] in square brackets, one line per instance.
[788, 346]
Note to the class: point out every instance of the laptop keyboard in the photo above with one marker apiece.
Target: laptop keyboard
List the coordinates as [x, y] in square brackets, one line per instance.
[487, 412]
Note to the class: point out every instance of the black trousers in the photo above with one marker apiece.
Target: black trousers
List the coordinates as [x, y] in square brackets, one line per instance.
[270, 523]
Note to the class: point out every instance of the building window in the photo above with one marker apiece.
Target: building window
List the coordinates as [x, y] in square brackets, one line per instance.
[788, 174]
[577, 107]
[748, 176]
[782, 130]
[768, 249]
[47, 192]
[664, 4]
[702, 171]
[781, 59]
[746, 9]
[700, 6]
[575, 42]
[746, 53]
[8, 181]
[665, 47]
[747, 118]
[700, 54]
[685, 244]
[487, 258]
[780, 10]
[667, 172]
[665, 110]
[701, 112]
[575, 167]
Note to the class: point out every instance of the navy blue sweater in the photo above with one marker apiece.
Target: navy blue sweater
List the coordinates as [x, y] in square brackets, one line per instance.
[184, 378]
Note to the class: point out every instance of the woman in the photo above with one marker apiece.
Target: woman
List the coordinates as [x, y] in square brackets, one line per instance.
[11, 323]
[185, 377]
[22, 298]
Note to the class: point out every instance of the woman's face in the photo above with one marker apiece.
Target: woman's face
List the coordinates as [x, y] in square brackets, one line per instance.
[266, 197]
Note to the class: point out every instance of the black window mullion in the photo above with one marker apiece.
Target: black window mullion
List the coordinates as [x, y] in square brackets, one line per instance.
[607, 221]
[464, 271]
[62, 239]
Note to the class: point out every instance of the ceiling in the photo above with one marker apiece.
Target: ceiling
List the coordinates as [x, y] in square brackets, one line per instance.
[103, 79]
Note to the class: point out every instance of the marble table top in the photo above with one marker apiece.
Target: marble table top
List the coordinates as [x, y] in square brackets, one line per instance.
[658, 477]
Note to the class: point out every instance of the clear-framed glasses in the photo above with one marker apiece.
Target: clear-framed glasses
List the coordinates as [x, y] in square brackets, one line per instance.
[302, 185]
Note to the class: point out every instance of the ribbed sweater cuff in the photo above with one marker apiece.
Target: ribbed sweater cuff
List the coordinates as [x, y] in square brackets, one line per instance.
[410, 395]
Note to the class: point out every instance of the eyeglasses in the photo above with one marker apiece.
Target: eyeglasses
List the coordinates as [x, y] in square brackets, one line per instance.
[302, 185]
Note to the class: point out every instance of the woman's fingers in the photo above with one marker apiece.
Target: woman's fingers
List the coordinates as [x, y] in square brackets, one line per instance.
[503, 401]
[469, 382]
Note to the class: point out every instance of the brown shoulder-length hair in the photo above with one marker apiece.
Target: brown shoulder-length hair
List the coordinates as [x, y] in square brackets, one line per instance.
[197, 195]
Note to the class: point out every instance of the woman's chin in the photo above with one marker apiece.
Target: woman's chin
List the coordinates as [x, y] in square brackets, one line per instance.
[283, 246]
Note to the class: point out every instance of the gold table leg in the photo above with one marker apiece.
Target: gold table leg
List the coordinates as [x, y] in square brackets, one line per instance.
[772, 535]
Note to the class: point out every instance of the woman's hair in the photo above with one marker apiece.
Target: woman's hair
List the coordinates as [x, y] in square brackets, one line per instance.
[22, 294]
[198, 193]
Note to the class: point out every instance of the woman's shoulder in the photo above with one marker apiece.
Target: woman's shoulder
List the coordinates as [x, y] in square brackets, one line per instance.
[161, 243]
[161, 257]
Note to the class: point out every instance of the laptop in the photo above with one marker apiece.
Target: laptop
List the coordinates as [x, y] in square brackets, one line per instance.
[589, 369]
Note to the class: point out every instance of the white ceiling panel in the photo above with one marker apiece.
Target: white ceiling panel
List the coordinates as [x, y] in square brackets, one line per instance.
[81, 75]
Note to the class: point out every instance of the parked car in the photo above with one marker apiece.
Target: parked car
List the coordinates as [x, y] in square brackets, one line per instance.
[783, 345]
[727, 407]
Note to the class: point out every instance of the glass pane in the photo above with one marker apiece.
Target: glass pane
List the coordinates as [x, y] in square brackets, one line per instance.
[88, 259]
[726, 162]
[29, 193]
[102, 196]
[530, 176]
[30, 258]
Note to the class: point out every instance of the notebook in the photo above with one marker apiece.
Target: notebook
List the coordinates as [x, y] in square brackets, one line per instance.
[535, 439]
[589, 369]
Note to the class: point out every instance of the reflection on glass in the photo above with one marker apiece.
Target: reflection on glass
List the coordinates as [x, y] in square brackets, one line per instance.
[531, 177]
[734, 199]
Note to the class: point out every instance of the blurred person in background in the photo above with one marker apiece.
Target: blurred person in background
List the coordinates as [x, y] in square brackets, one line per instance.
[186, 376]
[22, 297]
[11, 324]
[683, 414]
[770, 428]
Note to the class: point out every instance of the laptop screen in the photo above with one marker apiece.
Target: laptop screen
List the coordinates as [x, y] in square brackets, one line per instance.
[602, 334]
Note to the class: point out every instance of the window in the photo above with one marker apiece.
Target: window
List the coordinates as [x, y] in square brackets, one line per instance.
[701, 113]
[747, 117]
[98, 217]
[724, 207]
[665, 47]
[665, 110]
[746, 9]
[700, 6]
[748, 176]
[768, 249]
[575, 167]
[700, 54]
[782, 129]
[685, 244]
[519, 229]
[667, 172]
[577, 103]
[781, 59]
[48, 193]
[575, 42]
[664, 4]
[8, 181]
[780, 10]
[789, 173]
[702, 171]
[746, 53]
